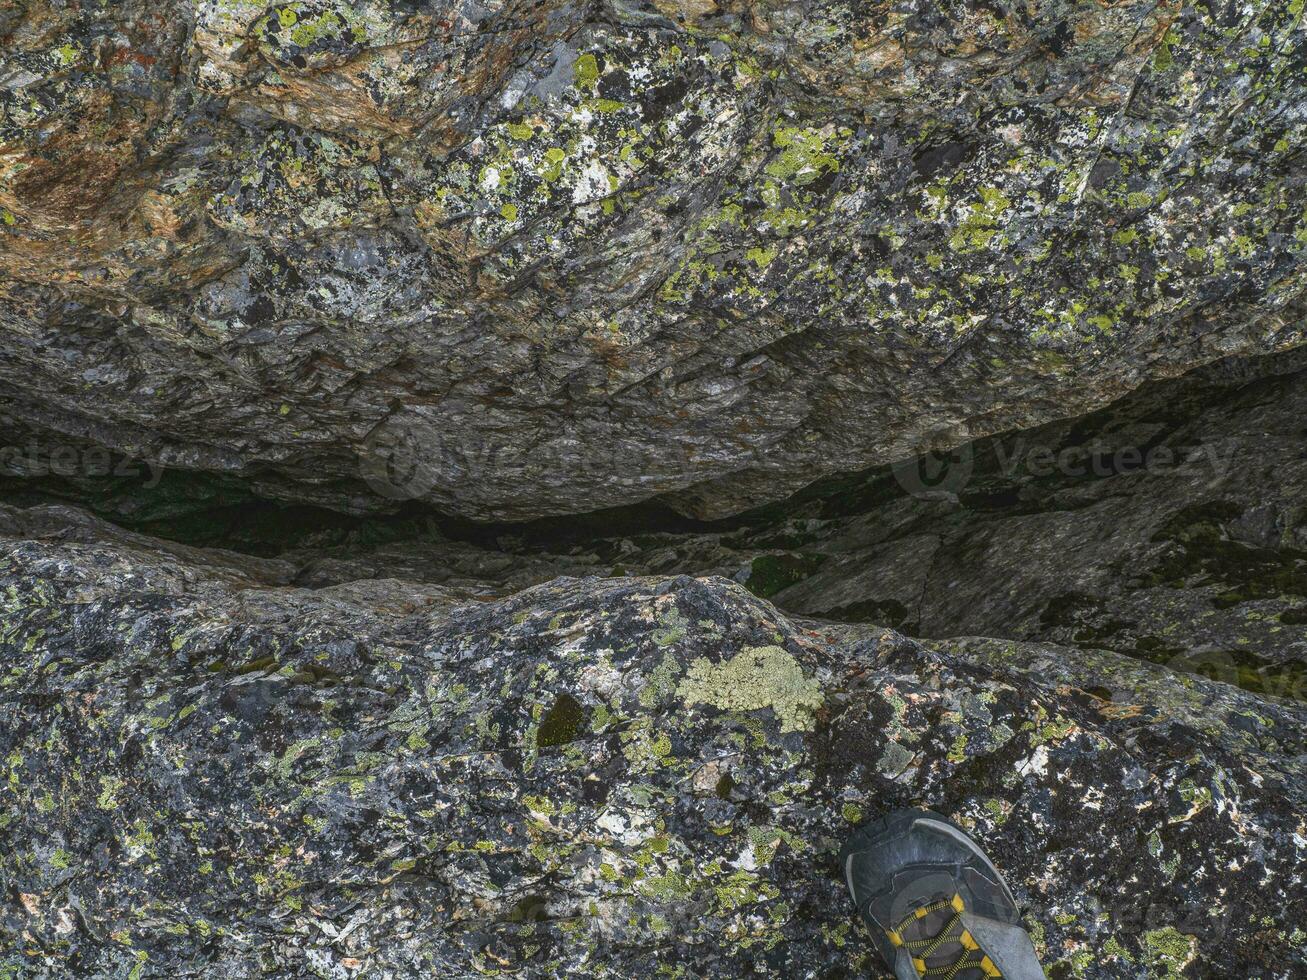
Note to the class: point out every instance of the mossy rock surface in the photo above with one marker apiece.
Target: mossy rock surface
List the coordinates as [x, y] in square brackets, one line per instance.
[528, 259]
[591, 777]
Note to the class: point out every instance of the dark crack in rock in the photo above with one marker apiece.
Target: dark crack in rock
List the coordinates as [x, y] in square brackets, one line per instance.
[1171, 526]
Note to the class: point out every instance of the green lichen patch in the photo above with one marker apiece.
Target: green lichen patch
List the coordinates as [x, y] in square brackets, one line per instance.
[586, 71]
[1167, 952]
[755, 679]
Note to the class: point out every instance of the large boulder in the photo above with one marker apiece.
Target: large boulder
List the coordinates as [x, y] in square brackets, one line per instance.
[209, 772]
[529, 258]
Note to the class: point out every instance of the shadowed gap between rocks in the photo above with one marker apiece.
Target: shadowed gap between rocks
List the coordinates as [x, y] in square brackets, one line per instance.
[1169, 526]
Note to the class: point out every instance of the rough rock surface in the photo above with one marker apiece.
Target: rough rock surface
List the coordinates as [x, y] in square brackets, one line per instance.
[1171, 526]
[522, 258]
[206, 771]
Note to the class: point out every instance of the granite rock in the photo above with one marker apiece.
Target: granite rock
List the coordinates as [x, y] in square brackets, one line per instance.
[518, 259]
[209, 771]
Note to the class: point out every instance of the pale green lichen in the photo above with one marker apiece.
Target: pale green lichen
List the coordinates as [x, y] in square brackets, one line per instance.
[660, 682]
[805, 155]
[754, 679]
[1167, 951]
[1112, 949]
[586, 71]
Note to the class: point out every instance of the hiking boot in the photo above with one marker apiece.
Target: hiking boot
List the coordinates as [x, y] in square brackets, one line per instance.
[935, 905]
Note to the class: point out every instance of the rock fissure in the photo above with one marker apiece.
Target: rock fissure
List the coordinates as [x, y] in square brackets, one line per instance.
[503, 489]
[595, 774]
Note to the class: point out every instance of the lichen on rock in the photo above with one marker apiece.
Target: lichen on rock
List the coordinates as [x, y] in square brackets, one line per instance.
[755, 678]
[599, 777]
[351, 279]
[587, 257]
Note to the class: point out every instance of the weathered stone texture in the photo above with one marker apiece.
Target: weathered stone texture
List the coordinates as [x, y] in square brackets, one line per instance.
[577, 255]
[206, 772]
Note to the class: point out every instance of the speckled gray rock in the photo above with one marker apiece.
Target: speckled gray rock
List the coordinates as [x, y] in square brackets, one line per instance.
[207, 771]
[528, 258]
[1171, 526]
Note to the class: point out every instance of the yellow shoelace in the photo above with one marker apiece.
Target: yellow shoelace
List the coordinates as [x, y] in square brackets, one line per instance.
[922, 949]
